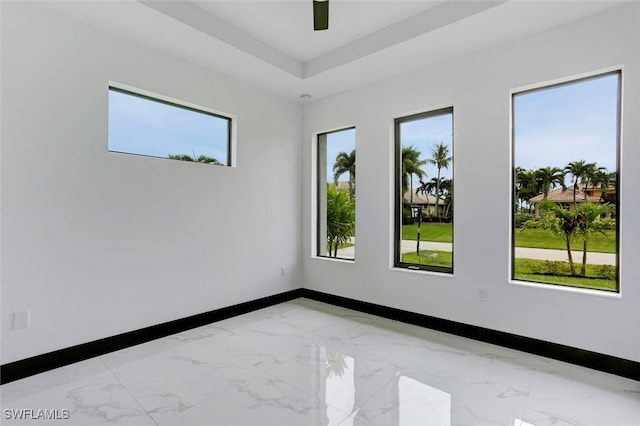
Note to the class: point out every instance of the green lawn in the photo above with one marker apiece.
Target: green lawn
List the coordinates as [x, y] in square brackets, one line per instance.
[530, 237]
[438, 232]
[539, 238]
[530, 270]
[444, 258]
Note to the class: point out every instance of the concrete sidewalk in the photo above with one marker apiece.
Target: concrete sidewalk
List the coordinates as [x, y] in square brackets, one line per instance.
[593, 258]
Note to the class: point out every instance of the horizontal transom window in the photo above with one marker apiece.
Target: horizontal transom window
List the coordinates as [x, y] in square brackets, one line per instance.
[144, 125]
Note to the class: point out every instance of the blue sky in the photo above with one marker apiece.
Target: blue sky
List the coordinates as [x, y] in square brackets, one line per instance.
[552, 127]
[572, 122]
[337, 142]
[424, 135]
[141, 126]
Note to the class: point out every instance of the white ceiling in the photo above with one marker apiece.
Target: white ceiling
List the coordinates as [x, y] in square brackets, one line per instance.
[272, 44]
[288, 25]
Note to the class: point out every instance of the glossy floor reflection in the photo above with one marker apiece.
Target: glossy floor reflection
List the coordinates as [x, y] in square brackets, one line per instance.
[307, 363]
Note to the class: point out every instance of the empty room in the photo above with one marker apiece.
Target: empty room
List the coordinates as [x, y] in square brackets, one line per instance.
[335, 212]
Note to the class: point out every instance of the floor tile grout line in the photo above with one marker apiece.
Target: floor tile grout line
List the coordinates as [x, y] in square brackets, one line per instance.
[115, 376]
[218, 393]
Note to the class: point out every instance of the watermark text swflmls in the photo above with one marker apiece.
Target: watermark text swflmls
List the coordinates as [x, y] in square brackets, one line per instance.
[36, 414]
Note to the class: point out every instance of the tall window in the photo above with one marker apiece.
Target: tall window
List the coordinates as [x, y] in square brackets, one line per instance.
[140, 124]
[424, 191]
[336, 220]
[565, 183]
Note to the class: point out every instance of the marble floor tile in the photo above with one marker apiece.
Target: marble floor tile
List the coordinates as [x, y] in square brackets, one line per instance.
[135, 354]
[385, 340]
[264, 400]
[95, 399]
[329, 325]
[308, 363]
[341, 379]
[477, 367]
[33, 385]
[579, 396]
[174, 381]
[265, 343]
[416, 398]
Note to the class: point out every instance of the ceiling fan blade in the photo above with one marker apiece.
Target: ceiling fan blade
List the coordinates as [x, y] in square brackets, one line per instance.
[320, 15]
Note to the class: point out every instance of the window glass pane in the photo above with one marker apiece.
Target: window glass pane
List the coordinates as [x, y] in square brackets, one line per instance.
[565, 180]
[424, 174]
[145, 126]
[337, 194]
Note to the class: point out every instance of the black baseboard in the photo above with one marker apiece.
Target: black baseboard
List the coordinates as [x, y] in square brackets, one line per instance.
[40, 363]
[597, 361]
[28, 367]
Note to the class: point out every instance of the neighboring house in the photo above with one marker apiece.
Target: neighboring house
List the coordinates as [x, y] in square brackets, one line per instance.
[564, 198]
[342, 185]
[428, 202]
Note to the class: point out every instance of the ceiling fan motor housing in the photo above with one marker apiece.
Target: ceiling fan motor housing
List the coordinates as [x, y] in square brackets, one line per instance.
[320, 15]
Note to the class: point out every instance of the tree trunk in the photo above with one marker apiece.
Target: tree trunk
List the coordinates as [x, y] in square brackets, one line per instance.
[353, 188]
[438, 196]
[586, 187]
[583, 269]
[570, 256]
[411, 189]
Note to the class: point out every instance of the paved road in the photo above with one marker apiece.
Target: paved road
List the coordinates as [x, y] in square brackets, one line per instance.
[593, 258]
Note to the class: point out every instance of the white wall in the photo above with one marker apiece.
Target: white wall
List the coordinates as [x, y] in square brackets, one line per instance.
[478, 86]
[97, 243]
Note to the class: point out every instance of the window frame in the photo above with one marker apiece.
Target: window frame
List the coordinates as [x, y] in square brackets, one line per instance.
[512, 250]
[399, 196]
[319, 191]
[165, 100]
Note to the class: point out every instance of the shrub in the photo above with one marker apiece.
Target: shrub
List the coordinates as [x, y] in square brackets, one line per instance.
[606, 271]
[520, 219]
[547, 267]
[532, 223]
[530, 265]
[555, 267]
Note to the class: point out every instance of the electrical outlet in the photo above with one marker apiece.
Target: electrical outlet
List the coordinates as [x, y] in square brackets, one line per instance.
[21, 319]
[483, 295]
[283, 272]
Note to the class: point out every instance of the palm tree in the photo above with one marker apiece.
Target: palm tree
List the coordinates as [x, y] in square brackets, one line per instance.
[427, 188]
[526, 185]
[340, 218]
[607, 181]
[548, 178]
[579, 170]
[595, 176]
[441, 159]
[411, 165]
[200, 159]
[346, 163]
[581, 222]
[446, 186]
[612, 179]
[591, 222]
[562, 223]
